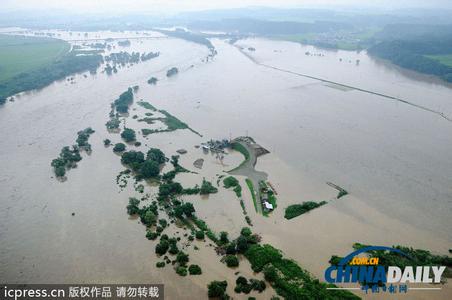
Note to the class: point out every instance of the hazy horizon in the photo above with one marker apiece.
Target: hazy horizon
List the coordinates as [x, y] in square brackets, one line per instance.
[176, 6]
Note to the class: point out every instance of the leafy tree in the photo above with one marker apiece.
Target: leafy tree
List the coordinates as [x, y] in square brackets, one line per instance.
[242, 244]
[181, 270]
[132, 207]
[119, 147]
[182, 258]
[156, 155]
[246, 231]
[224, 237]
[60, 171]
[162, 247]
[194, 270]
[200, 235]
[149, 169]
[188, 209]
[231, 261]
[128, 135]
[207, 188]
[149, 218]
[217, 289]
[107, 142]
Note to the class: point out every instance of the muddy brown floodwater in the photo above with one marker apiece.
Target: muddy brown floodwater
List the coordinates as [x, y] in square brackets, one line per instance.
[394, 159]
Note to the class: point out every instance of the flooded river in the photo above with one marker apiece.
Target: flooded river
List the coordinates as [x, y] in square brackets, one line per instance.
[393, 158]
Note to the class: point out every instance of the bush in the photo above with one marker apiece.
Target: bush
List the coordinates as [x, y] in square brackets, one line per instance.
[160, 264]
[194, 270]
[119, 147]
[295, 210]
[107, 142]
[207, 188]
[224, 237]
[200, 235]
[182, 271]
[149, 169]
[231, 261]
[156, 155]
[217, 289]
[132, 207]
[230, 181]
[162, 247]
[150, 235]
[246, 231]
[182, 258]
[128, 135]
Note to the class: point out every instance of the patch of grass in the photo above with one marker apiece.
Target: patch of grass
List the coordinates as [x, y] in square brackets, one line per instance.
[147, 105]
[443, 59]
[19, 54]
[240, 148]
[249, 183]
[295, 210]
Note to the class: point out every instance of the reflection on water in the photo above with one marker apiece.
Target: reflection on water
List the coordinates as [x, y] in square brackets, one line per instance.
[394, 159]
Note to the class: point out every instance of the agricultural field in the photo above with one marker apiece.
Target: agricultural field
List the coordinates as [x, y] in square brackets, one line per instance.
[443, 59]
[19, 54]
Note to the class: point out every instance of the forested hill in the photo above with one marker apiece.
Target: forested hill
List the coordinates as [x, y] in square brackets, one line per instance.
[426, 49]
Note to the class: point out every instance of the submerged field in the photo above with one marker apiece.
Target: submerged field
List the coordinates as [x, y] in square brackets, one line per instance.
[19, 54]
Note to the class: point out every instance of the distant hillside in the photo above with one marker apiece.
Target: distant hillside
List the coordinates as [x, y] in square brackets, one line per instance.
[426, 49]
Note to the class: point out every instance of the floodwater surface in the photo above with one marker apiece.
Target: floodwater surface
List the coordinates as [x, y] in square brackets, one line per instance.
[394, 159]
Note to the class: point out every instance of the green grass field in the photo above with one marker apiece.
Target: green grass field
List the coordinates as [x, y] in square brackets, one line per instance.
[443, 59]
[19, 54]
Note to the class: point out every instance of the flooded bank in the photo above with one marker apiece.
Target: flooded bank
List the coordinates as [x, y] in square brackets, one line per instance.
[394, 160]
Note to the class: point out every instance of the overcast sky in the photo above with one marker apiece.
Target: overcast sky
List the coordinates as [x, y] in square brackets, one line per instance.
[172, 6]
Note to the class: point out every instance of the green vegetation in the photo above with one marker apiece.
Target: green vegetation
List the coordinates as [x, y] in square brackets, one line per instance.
[231, 261]
[242, 285]
[172, 123]
[194, 270]
[153, 80]
[287, 277]
[217, 289]
[417, 257]
[250, 185]
[34, 62]
[182, 271]
[147, 105]
[416, 54]
[231, 181]
[295, 210]
[113, 123]
[128, 135]
[107, 142]
[160, 264]
[443, 59]
[207, 188]
[240, 148]
[171, 72]
[69, 156]
[200, 235]
[124, 101]
[82, 138]
[119, 147]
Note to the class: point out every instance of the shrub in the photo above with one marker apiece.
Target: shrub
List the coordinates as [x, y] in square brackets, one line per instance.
[119, 147]
[182, 258]
[200, 235]
[150, 235]
[231, 261]
[160, 264]
[217, 289]
[107, 142]
[128, 135]
[194, 270]
[162, 247]
[295, 210]
[207, 188]
[132, 207]
[182, 271]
